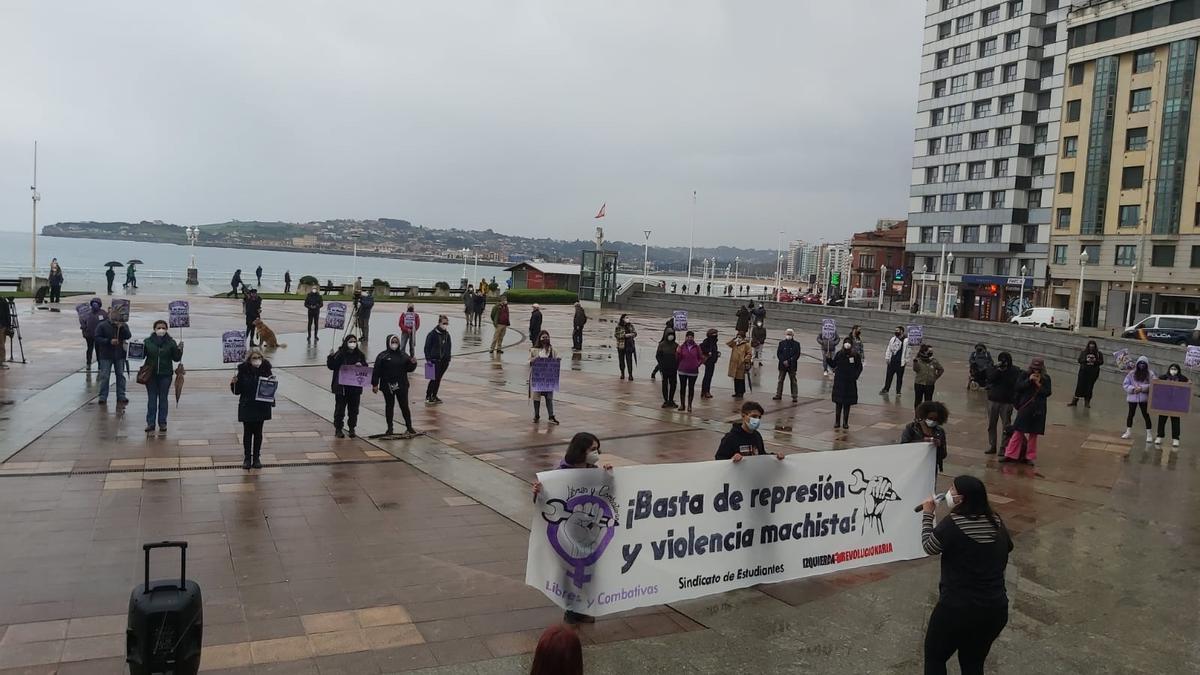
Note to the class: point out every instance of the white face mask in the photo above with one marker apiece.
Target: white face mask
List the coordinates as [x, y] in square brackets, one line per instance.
[670, 338]
[394, 346]
[351, 345]
[160, 331]
[593, 457]
[951, 500]
[932, 424]
[1173, 371]
[443, 325]
[256, 362]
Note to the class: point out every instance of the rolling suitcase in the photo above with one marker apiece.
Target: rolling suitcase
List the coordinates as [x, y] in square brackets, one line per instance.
[165, 623]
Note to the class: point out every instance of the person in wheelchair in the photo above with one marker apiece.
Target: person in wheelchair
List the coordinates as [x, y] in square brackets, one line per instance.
[979, 363]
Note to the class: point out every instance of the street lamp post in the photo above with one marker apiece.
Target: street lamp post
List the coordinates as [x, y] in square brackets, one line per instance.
[193, 275]
[1129, 308]
[475, 269]
[882, 278]
[1083, 259]
[778, 264]
[1021, 299]
[36, 197]
[946, 283]
[354, 260]
[464, 250]
[921, 294]
[736, 262]
[645, 258]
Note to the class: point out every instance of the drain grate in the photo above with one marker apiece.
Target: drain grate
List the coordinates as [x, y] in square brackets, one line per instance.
[231, 465]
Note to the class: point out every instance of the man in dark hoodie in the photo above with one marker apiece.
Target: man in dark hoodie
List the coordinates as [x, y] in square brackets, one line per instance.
[88, 324]
[313, 303]
[577, 327]
[743, 320]
[743, 438]
[711, 352]
[252, 306]
[1001, 385]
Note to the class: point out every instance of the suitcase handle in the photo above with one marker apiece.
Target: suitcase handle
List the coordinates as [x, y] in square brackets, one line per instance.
[182, 546]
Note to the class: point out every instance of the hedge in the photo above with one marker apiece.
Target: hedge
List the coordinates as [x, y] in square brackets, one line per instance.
[527, 296]
[309, 280]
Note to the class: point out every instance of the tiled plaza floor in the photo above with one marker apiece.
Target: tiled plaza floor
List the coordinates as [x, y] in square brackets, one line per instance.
[360, 556]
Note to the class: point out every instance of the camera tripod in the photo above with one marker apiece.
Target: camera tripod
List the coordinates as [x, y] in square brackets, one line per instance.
[16, 328]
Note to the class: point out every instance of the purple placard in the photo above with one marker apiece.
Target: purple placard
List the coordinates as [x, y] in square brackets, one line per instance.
[828, 329]
[915, 335]
[543, 375]
[83, 309]
[354, 376]
[1170, 398]
[233, 346]
[335, 315]
[679, 318]
[178, 314]
[430, 370]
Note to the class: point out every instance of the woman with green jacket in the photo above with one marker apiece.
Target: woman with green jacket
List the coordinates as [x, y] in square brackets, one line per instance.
[161, 352]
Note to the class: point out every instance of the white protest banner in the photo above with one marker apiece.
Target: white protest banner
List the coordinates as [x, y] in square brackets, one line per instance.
[83, 310]
[1192, 358]
[915, 335]
[604, 542]
[335, 315]
[679, 319]
[178, 314]
[233, 346]
[828, 328]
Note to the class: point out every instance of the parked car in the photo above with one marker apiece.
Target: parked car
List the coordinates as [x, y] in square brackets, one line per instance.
[1175, 329]
[785, 295]
[1046, 317]
[812, 299]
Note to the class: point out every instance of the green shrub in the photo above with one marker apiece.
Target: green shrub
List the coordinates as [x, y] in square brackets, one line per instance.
[442, 285]
[309, 280]
[380, 282]
[528, 296]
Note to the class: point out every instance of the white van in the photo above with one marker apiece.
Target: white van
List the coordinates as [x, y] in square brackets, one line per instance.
[1046, 317]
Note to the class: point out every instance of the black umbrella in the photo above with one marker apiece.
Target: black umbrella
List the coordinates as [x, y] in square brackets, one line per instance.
[114, 263]
[135, 261]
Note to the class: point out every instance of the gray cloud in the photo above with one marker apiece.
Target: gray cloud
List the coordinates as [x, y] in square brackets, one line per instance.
[523, 116]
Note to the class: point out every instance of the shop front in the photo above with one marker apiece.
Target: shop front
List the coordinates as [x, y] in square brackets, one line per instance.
[994, 298]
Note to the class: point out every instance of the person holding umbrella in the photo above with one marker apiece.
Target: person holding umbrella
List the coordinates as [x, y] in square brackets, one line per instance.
[131, 274]
[161, 351]
[110, 276]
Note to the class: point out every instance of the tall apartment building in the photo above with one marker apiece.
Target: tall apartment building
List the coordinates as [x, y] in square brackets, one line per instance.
[803, 261]
[1126, 212]
[986, 144]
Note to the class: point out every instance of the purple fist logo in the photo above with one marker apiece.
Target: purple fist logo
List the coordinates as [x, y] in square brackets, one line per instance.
[580, 529]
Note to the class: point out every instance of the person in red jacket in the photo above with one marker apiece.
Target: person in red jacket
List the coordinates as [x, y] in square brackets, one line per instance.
[410, 322]
[689, 357]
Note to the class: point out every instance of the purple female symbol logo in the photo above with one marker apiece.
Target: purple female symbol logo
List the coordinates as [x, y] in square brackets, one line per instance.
[580, 529]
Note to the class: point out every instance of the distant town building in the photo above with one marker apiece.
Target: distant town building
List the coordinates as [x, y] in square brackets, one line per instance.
[882, 246]
[305, 241]
[543, 275]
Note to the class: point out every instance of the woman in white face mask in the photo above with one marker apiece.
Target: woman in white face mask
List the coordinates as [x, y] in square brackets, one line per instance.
[156, 373]
[930, 427]
[252, 412]
[346, 397]
[1174, 374]
[390, 375]
[541, 351]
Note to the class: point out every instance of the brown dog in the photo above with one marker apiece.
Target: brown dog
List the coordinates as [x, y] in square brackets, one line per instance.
[266, 336]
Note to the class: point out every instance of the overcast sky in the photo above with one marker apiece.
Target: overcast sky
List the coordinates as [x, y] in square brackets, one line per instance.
[522, 116]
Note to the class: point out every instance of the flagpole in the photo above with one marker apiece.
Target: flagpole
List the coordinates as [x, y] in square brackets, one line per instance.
[692, 238]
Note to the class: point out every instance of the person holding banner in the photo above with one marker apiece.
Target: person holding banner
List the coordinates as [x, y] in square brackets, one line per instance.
[688, 357]
[740, 359]
[1137, 394]
[345, 397]
[897, 357]
[710, 350]
[625, 334]
[829, 341]
[1031, 393]
[313, 303]
[437, 352]
[788, 353]
[87, 325]
[972, 606]
[161, 351]
[926, 372]
[1174, 374]
[743, 438]
[847, 367]
[252, 412]
[391, 370]
[541, 350]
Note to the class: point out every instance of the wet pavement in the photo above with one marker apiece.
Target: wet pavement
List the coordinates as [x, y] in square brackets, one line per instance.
[364, 556]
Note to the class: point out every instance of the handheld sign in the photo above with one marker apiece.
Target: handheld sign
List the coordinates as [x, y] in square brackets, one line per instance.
[1123, 360]
[178, 314]
[828, 328]
[265, 392]
[233, 346]
[680, 318]
[915, 335]
[1168, 397]
[335, 315]
[137, 350]
[83, 309]
[1192, 359]
[410, 320]
[544, 375]
[430, 370]
[120, 310]
[354, 376]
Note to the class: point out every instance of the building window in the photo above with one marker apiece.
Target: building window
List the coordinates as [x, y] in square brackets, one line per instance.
[1064, 219]
[1043, 100]
[928, 205]
[999, 168]
[950, 173]
[1195, 257]
[1126, 256]
[970, 234]
[1060, 254]
[1037, 166]
[1040, 133]
[1012, 40]
[1008, 72]
[931, 174]
[975, 170]
[1139, 100]
[1007, 104]
[998, 199]
[984, 78]
[1066, 182]
[979, 139]
[935, 146]
[945, 234]
[995, 233]
[937, 117]
[1030, 234]
[983, 108]
[987, 47]
[963, 23]
[1073, 108]
[949, 202]
[1143, 61]
[991, 15]
[962, 53]
[927, 233]
[974, 201]
[1070, 146]
[973, 266]
[1002, 265]
[1049, 37]
[954, 143]
[1131, 177]
[941, 59]
[1135, 139]
[1093, 253]
[958, 84]
[1015, 8]
[943, 30]
[958, 112]
[867, 260]
[1003, 135]
[1075, 74]
[1130, 215]
[939, 89]
[1162, 256]
[1034, 199]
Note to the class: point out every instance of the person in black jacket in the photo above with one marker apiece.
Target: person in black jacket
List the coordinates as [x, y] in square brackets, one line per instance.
[1002, 390]
[252, 413]
[1030, 402]
[390, 373]
[668, 362]
[668, 329]
[437, 352]
[535, 322]
[111, 336]
[1174, 374]
[743, 438]
[109, 277]
[577, 324]
[972, 607]
[313, 303]
[56, 281]
[258, 275]
[847, 366]
[235, 283]
[788, 353]
[252, 307]
[1090, 360]
[743, 320]
[287, 282]
[930, 426]
[711, 351]
[345, 397]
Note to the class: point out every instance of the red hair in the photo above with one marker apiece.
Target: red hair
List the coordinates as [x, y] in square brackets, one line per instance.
[558, 653]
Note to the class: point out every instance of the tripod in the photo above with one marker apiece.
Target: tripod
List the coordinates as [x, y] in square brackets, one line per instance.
[16, 328]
